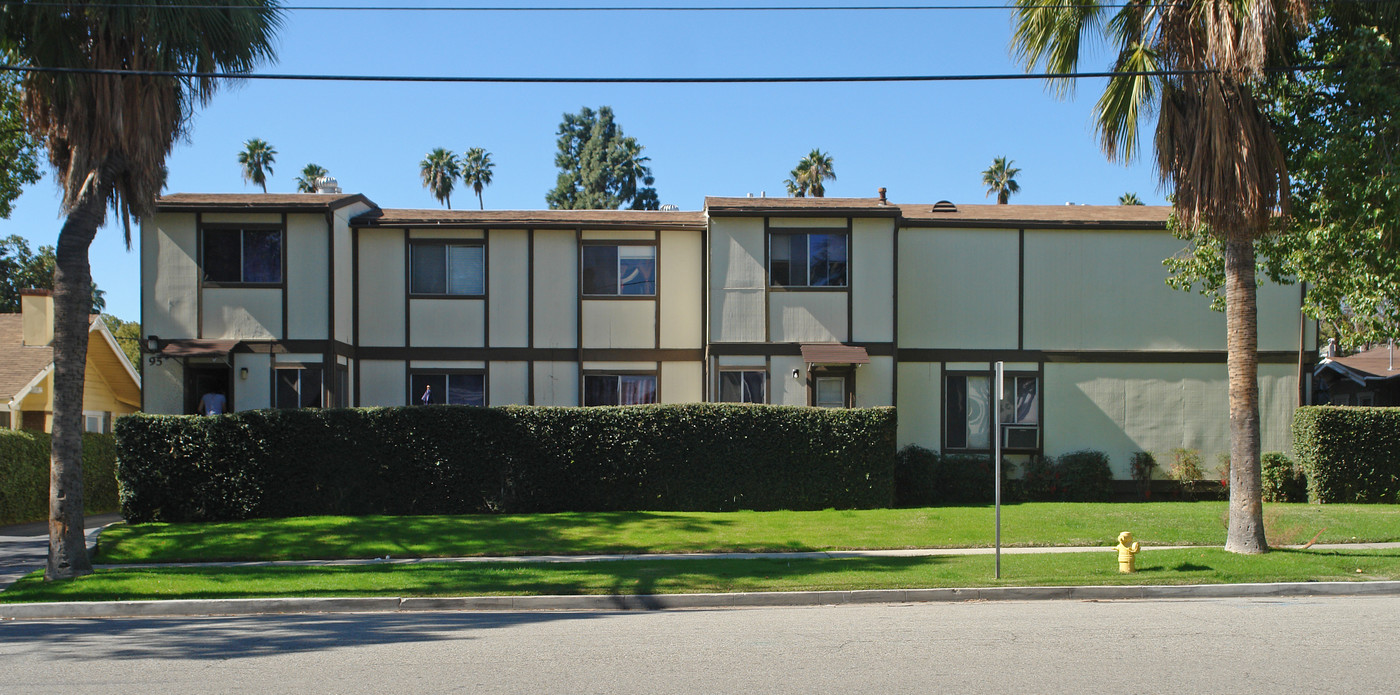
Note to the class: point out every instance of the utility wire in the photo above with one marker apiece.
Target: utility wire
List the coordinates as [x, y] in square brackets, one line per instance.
[604, 8]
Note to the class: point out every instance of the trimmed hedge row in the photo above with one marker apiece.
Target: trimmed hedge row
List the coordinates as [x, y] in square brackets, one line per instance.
[1349, 454]
[457, 459]
[24, 475]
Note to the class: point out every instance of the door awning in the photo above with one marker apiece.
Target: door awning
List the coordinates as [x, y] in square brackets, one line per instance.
[834, 353]
[192, 347]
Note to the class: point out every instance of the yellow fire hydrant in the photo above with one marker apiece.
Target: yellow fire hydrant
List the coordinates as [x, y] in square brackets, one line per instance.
[1127, 552]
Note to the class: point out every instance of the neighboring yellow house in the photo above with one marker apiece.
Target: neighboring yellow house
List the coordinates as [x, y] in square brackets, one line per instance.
[26, 370]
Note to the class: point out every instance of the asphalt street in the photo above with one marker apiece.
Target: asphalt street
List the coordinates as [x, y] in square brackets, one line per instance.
[1313, 645]
[25, 548]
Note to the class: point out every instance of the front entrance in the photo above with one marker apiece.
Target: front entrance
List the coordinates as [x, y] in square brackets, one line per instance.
[201, 379]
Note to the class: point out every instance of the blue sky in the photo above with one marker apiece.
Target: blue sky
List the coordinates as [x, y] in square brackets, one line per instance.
[922, 141]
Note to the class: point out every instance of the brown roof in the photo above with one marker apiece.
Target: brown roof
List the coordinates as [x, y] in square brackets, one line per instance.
[19, 364]
[834, 353]
[1373, 364]
[257, 202]
[536, 219]
[1040, 216]
[780, 206]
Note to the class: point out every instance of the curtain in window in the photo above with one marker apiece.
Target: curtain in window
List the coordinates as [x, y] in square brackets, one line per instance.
[636, 269]
[262, 255]
[466, 270]
[636, 390]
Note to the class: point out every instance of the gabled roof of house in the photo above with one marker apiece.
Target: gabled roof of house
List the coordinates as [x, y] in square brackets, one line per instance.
[258, 202]
[1037, 216]
[1372, 365]
[534, 219]
[719, 206]
[21, 364]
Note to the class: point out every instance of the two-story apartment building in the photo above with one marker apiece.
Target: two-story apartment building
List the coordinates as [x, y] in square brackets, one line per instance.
[328, 300]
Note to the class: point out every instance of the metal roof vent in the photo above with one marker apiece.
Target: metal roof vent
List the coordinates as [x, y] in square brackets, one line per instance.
[327, 184]
[669, 207]
[944, 206]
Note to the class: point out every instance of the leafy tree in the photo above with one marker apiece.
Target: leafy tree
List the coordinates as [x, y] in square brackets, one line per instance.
[19, 154]
[440, 171]
[128, 335]
[1129, 198]
[100, 166]
[813, 170]
[476, 170]
[599, 167]
[306, 183]
[1000, 179]
[21, 268]
[1195, 64]
[256, 159]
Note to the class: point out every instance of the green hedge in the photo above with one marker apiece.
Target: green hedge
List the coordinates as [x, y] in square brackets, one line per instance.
[24, 475]
[1283, 480]
[457, 459]
[926, 478]
[1349, 454]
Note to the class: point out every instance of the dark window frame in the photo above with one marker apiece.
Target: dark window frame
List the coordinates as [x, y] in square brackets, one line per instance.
[618, 245]
[847, 373]
[763, 374]
[414, 398]
[278, 369]
[1011, 384]
[618, 373]
[445, 244]
[806, 286]
[204, 230]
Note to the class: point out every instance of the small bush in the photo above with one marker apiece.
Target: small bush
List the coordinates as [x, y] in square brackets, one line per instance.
[1040, 480]
[1086, 476]
[24, 475]
[1283, 480]
[1349, 454]
[1222, 473]
[915, 469]
[1143, 465]
[1186, 471]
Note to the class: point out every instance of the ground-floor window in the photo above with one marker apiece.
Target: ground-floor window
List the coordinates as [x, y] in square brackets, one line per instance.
[619, 389]
[448, 388]
[298, 387]
[967, 414]
[94, 421]
[747, 386]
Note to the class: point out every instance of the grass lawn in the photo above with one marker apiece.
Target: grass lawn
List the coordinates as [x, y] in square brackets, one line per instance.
[1032, 524]
[1189, 566]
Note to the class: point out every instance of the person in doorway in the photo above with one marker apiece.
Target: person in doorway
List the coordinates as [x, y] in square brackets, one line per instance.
[427, 398]
[213, 403]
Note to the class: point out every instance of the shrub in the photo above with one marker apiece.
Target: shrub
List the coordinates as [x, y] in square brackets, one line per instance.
[966, 479]
[458, 459]
[1186, 471]
[1143, 465]
[1085, 475]
[1040, 479]
[1349, 454]
[915, 469]
[24, 475]
[1222, 473]
[1283, 480]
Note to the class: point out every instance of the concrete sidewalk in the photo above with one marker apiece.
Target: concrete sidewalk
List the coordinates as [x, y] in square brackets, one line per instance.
[25, 547]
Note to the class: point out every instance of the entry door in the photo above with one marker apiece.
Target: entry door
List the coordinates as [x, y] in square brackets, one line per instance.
[200, 380]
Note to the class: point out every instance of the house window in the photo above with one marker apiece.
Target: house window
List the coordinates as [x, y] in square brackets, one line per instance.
[968, 414]
[298, 387]
[448, 388]
[619, 389]
[610, 269]
[807, 260]
[829, 392]
[247, 256]
[447, 269]
[743, 387]
[5, 420]
[94, 421]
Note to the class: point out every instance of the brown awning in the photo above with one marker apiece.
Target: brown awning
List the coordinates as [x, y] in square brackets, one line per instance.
[834, 353]
[191, 347]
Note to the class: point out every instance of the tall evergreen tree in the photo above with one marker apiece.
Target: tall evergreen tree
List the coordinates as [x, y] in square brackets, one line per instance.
[599, 167]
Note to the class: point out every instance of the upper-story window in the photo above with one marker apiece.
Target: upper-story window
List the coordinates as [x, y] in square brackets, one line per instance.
[243, 255]
[807, 259]
[618, 269]
[444, 268]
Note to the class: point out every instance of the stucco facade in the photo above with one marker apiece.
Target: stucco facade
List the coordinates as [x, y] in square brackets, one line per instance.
[333, 301]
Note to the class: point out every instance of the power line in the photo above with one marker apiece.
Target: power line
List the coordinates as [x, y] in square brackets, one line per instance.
[631, 80]
[602, 8]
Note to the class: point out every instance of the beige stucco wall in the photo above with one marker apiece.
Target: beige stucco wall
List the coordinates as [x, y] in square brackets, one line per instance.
[682, 382]
[617, 323]
[807, 317]
[920, 407]
[785, 390]
[162, 387]
[345, 272]
[508, 383]
[556, 383]
[447, 322]
[872, 280]
[170, 272]
[875, 383]
[957, 288]
[446, 234]
[242, 218]
[556, 289]
[308, 277]
[1123, 408]
[619, 235]
[737, 280]
[508, 287]
[382, 287]
[255, 392]
[250, 314]
[383, 382]
[682, 289]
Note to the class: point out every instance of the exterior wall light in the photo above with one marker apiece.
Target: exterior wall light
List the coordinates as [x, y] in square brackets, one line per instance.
[243, 373]
[796, 373]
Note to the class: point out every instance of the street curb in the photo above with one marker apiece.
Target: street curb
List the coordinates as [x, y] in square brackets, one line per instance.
[653, 602]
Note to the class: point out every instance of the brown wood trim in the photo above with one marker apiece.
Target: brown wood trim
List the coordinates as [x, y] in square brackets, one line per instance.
[286, 251]
[1086, 356]
[768, 379]
[1079, 225]
[788, 349]
[514, 354]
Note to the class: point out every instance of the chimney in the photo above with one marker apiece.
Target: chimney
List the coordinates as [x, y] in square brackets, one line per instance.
[36, 306]
[881, 191]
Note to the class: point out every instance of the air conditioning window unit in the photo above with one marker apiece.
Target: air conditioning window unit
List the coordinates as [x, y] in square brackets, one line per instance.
[1021, 437]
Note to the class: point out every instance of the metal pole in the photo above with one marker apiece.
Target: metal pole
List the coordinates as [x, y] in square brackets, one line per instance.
[996, 453]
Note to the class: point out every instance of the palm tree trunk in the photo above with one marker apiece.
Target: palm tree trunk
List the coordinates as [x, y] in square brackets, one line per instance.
[72, 298]
[1246, 531]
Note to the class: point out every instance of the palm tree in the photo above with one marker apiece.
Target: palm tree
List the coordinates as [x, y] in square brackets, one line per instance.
[815, 168]
[306, 183]
[1000, 179]
[440, 170]
[99, 165]
[257, 158]
[476, 170]
[1129, 198]
[1194, 63]
[795, 189]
